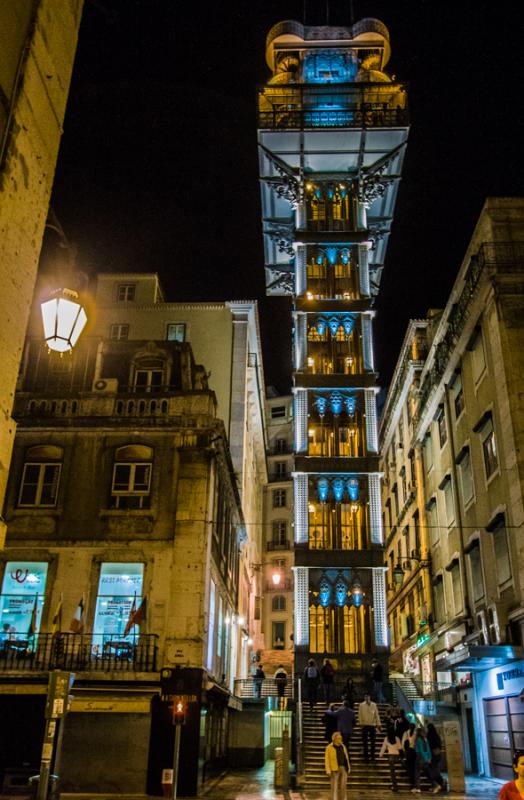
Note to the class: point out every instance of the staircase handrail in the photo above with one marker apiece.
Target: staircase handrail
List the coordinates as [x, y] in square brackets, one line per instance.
[299, 733]
[434, 690]
[406, 703]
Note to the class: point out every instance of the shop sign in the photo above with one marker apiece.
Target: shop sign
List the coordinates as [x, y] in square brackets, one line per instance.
[509, 675]
[411, 662]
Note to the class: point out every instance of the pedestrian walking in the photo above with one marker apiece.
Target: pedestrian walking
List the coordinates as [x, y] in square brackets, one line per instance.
[409, 739]
[392, 748]
[311, 682]
[329, 720]
[281, 680]
[348, 692]
[337, 767]
[423, 751]
[346, 720]
[369, 721]
[258, 680]
[514, 790]
[327, 675]
[400, 722]
[377, 676]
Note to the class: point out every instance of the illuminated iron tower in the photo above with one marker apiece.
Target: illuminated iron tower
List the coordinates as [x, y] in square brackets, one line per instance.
[333, 128]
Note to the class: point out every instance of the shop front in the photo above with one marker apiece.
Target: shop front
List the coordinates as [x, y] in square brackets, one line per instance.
[494, 703]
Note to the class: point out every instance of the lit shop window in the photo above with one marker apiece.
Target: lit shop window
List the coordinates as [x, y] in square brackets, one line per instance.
[120, 585]
[41, 476]
[21, 601]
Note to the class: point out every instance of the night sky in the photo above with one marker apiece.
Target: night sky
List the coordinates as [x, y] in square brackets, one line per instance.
[158, 166]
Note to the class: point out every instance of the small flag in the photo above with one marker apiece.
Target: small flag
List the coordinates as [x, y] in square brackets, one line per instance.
[77, 623]
[56, 624]
[136, 615]
[32, 623]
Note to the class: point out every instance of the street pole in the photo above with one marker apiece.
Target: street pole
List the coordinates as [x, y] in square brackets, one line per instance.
[176, 758]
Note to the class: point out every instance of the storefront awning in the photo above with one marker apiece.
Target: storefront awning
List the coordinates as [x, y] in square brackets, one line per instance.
[476, 658]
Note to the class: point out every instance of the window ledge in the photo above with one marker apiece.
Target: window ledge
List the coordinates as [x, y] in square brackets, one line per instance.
[40, 510]
[147, 513]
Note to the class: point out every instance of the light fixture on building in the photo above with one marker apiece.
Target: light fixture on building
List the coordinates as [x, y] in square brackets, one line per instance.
[276, 577]
[356, 592]
[398, 575]
[63, 314]
[64, 318]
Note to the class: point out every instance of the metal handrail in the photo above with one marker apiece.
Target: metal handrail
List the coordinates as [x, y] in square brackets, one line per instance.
[247, 688]
[299, 731]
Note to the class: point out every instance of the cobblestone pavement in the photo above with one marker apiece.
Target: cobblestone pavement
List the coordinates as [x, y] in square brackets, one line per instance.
[251, 784]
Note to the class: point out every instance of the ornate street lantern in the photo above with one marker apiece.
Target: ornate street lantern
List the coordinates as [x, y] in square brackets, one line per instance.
[64, 319]
[398, 575]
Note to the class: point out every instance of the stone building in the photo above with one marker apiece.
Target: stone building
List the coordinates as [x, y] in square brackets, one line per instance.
[277, 613]
[467, 422]
[37, 53]
[133, 482]
[404, 515]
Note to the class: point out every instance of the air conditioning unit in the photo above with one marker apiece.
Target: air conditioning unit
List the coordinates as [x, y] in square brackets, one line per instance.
[105, 385]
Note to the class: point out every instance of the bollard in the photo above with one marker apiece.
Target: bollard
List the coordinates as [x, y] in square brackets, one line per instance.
[278, 766]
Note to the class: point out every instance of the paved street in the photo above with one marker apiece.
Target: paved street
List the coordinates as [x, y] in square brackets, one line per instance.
[249, 784]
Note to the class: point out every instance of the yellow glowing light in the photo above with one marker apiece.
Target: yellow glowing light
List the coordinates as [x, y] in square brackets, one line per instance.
[310, 361]
[311, 432]
[309, 295]
[311, 508]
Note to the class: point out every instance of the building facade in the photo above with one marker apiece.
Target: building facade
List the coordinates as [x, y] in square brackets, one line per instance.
[37, 62]
[332, 133]
[467, 426]
[131, 487]
[404, 514]
[277, 613]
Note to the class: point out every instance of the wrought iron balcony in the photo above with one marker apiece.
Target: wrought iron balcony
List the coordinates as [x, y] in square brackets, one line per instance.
[283, 545]
[79, 653]
[283, 586]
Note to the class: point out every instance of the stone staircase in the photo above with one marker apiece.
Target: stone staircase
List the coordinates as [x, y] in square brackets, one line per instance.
[363, 776]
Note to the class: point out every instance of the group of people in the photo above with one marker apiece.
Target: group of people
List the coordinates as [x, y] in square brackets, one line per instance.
[418, 749]
[280, 678]
[323, 679]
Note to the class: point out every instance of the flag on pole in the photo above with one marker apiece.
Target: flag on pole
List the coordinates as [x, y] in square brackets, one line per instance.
[136, 615]
[56, 624]
[32, 623]
[77, 623]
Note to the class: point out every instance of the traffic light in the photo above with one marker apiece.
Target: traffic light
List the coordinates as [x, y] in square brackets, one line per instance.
[179, 711]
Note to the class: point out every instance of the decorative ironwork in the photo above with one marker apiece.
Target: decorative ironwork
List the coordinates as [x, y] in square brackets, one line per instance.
[282, 235]
[284, 281]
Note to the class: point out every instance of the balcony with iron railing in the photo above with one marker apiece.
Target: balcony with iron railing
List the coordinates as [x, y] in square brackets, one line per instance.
[363, 105]
[79, 653]
[282, 586]
[282, 544]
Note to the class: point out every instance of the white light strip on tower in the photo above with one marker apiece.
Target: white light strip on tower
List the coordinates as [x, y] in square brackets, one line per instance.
[375, 509]
[363, 269]
[371, 421]
[301, 509]
[300, 267]
[379, 607]
[300, 421]
[300, 341]
[367, 343]
[301, 633]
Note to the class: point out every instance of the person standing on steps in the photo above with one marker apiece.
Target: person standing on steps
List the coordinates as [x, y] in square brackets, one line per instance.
[423, 751]
[435, 743]
[514, 790]
[337, 767]
[311, 682]
[409, 740]
[329, 720]
[348, 692]
[346, 720]
[369, 721]
[377, 677]
[392, 747]
[258, 680]
[281, 680]
[327, 674]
